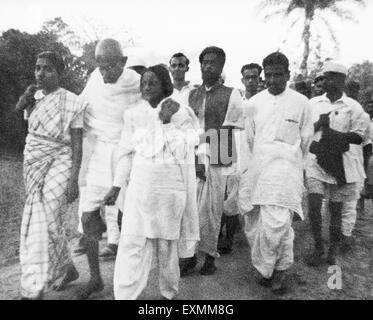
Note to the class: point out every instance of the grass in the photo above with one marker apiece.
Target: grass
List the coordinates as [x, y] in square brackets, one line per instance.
[12, 197]
[11, 204]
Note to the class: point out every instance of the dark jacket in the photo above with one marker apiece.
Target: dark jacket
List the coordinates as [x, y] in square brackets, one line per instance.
[221, 139]
[329, 154]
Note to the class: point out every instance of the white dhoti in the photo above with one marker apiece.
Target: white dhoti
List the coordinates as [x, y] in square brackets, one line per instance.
[103, 123]
[96, 178]
[210, 199]
[348, 217]
[134, 263]
[231, 201]
[270, 236]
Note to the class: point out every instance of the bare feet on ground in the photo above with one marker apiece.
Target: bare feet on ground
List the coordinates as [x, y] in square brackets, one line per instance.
[94, 285]
[71, 275]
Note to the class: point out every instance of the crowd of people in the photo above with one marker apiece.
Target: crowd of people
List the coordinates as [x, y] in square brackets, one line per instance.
[171, 169]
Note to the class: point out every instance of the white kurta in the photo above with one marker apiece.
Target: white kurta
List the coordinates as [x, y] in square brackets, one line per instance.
[346, 115]
[279, 130]
[182, 95]
[238, 200]
[156, 214]
[157, 188]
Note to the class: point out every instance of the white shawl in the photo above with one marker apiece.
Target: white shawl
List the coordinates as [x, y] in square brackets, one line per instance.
[108, 102]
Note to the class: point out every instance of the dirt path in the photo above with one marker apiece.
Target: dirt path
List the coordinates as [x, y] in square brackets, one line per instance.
[233, 280]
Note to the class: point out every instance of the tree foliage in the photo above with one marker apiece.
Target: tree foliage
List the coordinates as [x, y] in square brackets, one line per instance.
[363, 74]
[18, 51]
[311, 10]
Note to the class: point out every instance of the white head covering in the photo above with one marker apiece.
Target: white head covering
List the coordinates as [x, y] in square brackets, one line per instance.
[333, 66]
[103, 117]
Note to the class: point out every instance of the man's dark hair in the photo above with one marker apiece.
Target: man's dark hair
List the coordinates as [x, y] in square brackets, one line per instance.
[164, 77]
[304, 87]
[180, 55]
[301, 85]
[276, 58]
[252, 66]
[218, 51]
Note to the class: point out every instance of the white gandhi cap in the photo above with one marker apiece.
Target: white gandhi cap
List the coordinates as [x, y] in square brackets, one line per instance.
[332, 66]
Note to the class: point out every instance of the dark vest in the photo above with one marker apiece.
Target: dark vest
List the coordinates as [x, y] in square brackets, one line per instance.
[221, 138]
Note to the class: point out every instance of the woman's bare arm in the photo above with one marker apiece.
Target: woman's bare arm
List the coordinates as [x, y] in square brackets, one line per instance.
[76, 146]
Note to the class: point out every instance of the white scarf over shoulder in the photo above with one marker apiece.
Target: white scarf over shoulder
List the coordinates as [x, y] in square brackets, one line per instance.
[182, 130]
[150, 140]
[108, 102]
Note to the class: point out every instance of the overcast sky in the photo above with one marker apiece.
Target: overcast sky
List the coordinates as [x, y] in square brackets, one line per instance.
[169, 26]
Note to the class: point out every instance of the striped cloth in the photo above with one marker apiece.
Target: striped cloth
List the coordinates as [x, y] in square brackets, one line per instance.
[44, 253]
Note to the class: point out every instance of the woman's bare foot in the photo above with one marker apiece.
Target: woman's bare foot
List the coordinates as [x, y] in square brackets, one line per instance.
[71, 275]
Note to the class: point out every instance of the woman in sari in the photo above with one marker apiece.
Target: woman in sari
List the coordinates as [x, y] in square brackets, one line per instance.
[160, 217]
[52, 158]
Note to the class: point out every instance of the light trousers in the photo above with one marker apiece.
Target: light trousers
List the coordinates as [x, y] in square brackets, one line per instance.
[134, 262]
[210, 198]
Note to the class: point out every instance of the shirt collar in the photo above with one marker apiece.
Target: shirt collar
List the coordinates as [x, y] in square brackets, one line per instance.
[216, 85]
[324, 98]
[243, 95]
[278, 95]
[187, 85]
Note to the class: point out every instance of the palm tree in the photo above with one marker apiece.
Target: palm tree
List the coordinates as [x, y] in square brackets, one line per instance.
[312, 10]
